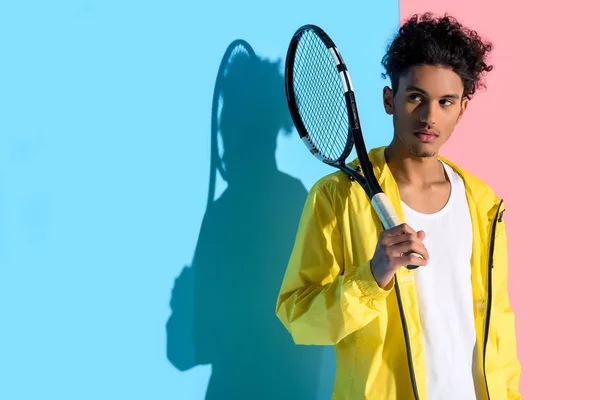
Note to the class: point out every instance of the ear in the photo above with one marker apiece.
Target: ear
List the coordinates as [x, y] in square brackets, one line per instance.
[463, 107]
[388, 100]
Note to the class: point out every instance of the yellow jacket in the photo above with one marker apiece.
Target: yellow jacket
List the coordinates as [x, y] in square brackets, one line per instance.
[329, 296]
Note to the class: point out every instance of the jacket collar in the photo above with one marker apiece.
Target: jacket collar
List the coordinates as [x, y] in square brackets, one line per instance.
[478, 190]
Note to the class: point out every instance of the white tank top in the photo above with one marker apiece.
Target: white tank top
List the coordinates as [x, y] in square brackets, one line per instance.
[445, 296]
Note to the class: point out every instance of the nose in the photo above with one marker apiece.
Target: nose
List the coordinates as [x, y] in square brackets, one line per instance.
[427, 114]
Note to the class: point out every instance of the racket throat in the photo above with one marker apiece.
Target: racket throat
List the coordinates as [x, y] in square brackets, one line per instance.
[355, 174]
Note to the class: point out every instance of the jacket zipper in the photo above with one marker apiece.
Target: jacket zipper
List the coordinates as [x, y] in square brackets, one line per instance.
[497, 218]
[411, 368]
[487, 322]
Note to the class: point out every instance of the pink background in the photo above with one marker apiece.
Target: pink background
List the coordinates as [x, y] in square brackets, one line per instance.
[532, 135]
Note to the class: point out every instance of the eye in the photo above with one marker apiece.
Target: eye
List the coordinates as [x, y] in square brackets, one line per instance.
[446, 102]
[414, 97]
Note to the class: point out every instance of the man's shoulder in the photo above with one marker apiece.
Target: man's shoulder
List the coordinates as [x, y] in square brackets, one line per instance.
[340, 182]
[331, 184]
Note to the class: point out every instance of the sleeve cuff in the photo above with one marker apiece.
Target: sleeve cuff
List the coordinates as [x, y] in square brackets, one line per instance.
[368, 285]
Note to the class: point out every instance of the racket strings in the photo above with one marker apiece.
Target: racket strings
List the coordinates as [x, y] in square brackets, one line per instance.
[320, 97]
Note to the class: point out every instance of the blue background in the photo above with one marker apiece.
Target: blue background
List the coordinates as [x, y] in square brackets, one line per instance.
[105, 121]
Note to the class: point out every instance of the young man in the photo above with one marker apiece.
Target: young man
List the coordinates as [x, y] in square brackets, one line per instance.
[448, 332]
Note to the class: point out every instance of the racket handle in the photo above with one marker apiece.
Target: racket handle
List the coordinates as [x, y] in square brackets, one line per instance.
[388, 216]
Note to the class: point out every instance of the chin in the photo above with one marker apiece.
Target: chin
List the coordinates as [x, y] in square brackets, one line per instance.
[422, 153]
[416, 148]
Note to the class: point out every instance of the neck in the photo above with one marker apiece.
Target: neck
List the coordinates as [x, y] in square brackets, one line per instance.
[410, 170]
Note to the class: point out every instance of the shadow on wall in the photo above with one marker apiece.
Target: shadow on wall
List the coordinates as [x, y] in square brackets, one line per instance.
[223, 305]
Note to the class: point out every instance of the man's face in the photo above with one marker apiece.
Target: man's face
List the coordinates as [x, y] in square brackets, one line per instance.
[427, 106]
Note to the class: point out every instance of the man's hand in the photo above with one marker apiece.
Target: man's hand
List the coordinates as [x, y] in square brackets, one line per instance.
[393, 251]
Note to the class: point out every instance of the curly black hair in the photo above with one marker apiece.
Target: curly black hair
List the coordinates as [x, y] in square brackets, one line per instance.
[443, 41]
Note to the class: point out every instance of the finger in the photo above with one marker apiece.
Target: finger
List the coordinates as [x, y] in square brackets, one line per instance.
[399, 230]
[409, 246]
[411, 259]
[421, 235]
[403, 250]
[391, 240]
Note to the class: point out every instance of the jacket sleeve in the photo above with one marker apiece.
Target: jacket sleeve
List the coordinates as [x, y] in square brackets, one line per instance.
[505, 317]
[322, 300]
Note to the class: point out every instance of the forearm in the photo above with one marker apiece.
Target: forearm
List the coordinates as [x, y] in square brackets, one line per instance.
[505, 317]
[507, 347]
[323, 314]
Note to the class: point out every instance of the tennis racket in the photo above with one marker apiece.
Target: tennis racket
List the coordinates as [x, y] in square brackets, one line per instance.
[321, 101]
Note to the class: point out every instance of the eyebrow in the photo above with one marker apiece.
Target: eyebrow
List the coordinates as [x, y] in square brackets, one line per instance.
[446, 96]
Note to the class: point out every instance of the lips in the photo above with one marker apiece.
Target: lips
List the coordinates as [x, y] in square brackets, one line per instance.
[426, 135]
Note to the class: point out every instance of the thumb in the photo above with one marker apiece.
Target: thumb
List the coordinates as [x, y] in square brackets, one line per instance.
[421, 235]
